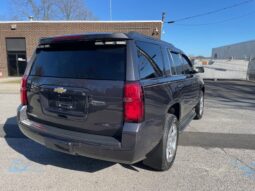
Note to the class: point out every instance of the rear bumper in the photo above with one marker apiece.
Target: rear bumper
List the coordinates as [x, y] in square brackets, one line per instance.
[130, 150]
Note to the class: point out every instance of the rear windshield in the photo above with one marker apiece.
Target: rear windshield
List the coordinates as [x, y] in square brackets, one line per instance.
[81, 61]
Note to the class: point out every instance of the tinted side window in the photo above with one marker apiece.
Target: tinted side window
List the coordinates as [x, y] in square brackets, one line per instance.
[145, 67]
[170, 65]
[177, 62]
[153, 55]
[187, 68]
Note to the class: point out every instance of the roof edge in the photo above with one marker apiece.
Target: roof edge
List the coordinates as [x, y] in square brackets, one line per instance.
[235, 44]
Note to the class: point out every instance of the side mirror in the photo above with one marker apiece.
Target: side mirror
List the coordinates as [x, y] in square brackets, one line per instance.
[199, 69]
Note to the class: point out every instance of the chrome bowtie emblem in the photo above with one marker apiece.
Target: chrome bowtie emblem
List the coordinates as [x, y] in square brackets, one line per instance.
[59, 90]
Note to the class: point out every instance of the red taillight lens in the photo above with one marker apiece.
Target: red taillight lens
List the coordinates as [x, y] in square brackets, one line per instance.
[23, 91]
[133, 102]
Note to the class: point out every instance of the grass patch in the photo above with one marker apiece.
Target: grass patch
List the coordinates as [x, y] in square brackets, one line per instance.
[11, 82]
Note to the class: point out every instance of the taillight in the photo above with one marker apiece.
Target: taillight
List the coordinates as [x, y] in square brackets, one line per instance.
[23, 91]
[133, 102]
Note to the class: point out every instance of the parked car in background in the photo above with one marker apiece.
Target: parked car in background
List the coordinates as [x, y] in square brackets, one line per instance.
[114, 96]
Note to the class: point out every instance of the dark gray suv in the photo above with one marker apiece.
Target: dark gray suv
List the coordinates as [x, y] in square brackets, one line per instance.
[112, 96]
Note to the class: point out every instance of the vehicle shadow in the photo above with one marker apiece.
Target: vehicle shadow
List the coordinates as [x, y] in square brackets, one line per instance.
[42, 155]
[231, 94]
[217, 140]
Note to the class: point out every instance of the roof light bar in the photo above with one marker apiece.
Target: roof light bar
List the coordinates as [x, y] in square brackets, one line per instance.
[121, 42]
[99, 43]
[110, 43]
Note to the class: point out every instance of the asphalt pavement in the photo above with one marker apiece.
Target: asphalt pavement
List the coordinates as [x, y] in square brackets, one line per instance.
[215, 153]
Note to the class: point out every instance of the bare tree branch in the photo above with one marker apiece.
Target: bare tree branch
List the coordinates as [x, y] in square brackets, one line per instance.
[47, 9]
[73, 10]
[50, 10]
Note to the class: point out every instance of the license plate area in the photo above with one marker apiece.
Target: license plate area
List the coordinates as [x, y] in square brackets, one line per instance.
[71, 104]
[65, 103]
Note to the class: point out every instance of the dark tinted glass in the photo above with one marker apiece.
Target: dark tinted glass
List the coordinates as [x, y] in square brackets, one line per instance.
[170, 65]
[187, 68]
[81, 61]
[177, 63]
[153, 54]
[145, 66]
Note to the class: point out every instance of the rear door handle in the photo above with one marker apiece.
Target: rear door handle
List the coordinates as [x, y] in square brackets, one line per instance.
[180, 85]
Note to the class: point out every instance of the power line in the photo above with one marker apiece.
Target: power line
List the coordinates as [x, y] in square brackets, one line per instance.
[218, 22]
[211, 12]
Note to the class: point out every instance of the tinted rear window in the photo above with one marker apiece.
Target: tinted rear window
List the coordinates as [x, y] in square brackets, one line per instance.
[81, 61]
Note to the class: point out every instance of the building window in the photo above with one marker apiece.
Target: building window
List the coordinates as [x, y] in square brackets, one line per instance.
[16, 56]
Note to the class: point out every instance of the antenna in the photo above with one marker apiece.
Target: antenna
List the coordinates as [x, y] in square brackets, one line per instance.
[111, 10]
[163, 21]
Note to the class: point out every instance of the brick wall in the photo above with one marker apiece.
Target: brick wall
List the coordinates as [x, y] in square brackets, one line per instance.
[32, 31]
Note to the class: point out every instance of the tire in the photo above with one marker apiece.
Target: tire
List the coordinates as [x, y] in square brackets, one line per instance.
[161, 158]
[199, 109]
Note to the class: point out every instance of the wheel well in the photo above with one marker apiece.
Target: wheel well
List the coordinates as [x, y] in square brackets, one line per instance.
[175, 110]
[203, 89]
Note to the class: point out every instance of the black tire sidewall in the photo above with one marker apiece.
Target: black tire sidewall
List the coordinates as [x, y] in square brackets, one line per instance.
[170, 119]
[197, 109]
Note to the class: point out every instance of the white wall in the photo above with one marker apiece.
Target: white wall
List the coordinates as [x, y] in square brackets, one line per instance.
[244, 50]
[251, 70]
[226, 69]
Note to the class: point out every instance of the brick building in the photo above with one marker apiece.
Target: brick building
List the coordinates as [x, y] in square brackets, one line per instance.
[19, 39]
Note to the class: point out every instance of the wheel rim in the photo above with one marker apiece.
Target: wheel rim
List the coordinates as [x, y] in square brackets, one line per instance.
[201, 105]
[171, 143]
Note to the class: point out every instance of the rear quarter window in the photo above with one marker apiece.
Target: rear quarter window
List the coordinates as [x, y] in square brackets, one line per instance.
[177, 63]
[150, 60]
[81, 61]
[187, 66]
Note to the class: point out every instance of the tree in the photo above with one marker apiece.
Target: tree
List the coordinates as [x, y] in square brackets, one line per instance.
[39, 10]
[73, 10]
[50, 10]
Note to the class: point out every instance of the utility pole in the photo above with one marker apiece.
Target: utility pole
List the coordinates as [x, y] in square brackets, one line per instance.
[163, 21]
[111, 10]
[163, 17]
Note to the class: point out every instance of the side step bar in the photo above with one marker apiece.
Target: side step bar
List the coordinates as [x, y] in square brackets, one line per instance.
[185, 122]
